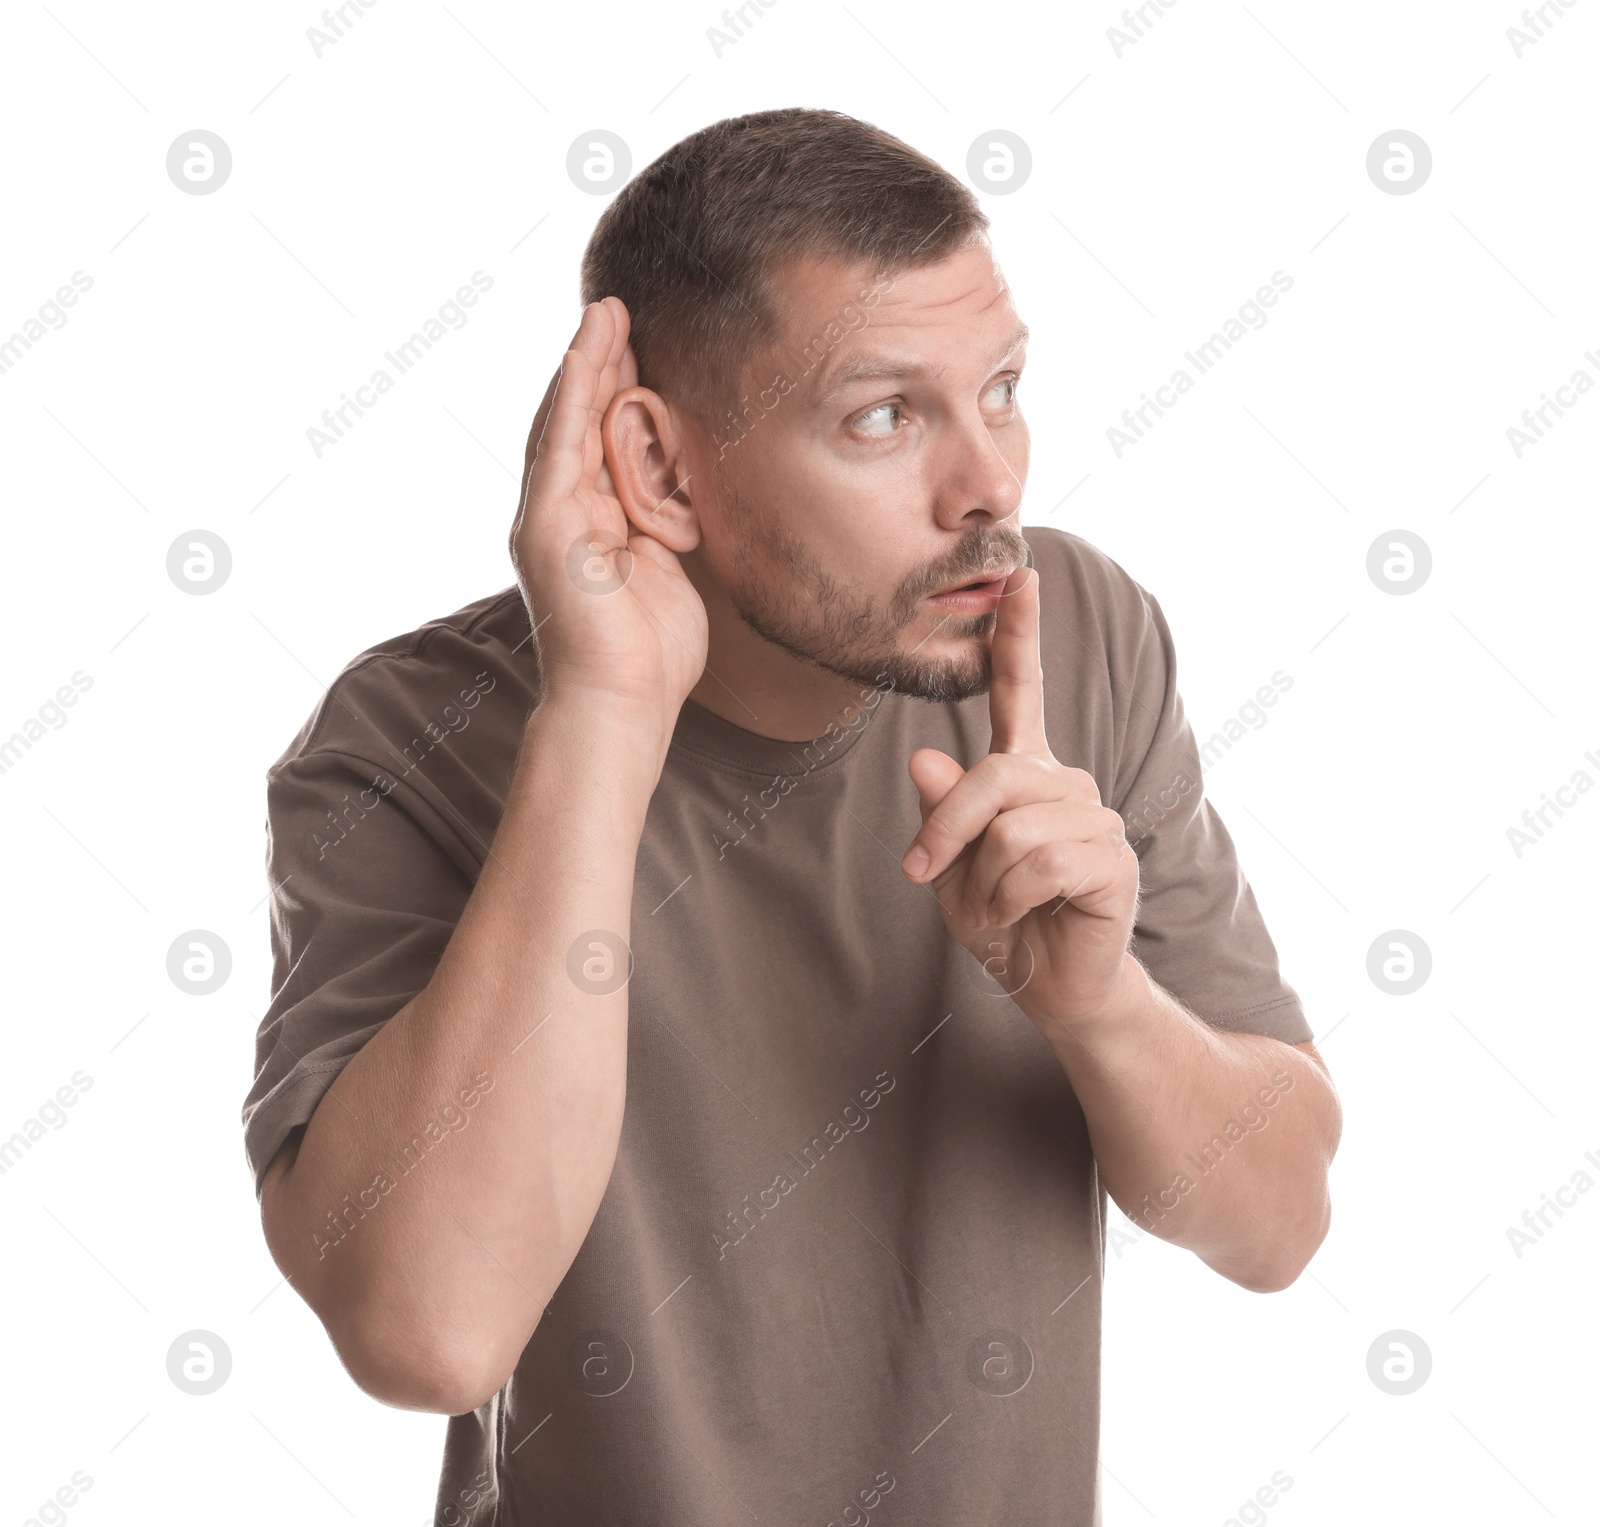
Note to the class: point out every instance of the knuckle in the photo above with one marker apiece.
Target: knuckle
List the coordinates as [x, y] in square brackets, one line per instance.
[989, 770]
[1029, 770]
[1058, 858]
[1008, 832]
[1081, 782]
[1063, 868]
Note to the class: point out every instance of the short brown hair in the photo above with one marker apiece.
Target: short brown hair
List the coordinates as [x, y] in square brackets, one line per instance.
[691, 243]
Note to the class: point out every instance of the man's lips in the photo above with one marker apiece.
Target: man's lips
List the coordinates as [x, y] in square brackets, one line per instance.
[972, 597]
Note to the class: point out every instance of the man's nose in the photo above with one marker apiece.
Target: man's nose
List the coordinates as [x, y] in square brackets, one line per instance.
[975, 479]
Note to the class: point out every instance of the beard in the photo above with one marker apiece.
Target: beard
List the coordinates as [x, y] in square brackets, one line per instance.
[785, 595]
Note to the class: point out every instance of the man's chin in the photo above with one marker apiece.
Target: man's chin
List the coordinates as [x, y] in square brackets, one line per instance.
[961, 671]
[950, 664]
[940, 680]
[942, 684]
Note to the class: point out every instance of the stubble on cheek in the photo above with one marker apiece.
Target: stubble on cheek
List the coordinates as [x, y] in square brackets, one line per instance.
[785, 594]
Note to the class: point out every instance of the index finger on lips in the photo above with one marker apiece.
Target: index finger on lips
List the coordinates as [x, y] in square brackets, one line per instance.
[1016, 687]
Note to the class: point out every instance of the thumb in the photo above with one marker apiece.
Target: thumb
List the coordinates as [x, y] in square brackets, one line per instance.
[934, 774]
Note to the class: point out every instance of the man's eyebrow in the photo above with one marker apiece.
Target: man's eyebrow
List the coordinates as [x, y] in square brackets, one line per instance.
[879, 368]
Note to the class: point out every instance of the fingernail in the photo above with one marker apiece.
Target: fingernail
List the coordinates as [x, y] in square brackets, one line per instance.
[916, 861]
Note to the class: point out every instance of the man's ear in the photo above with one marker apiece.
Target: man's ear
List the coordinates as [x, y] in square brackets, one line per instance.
[647, 457]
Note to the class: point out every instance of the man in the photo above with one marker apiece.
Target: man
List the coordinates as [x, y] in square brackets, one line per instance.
[720, 979]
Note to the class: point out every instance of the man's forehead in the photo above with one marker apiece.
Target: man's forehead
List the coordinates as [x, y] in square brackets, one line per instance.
[864, 326]
[963, 286]
[884, 361]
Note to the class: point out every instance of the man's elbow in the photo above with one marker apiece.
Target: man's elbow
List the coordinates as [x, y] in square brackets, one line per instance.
[394, 1353]
[440, 1376]
[1276, 1264]
[1268, 1278]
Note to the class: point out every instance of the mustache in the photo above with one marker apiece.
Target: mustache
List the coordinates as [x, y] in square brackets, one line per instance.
[969, 565]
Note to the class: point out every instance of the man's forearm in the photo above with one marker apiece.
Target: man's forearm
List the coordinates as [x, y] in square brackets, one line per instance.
[1217, 1141]
[432, 1284]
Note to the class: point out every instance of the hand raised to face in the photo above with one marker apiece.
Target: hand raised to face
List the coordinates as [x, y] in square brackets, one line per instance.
[615, 615]
[1019, 848]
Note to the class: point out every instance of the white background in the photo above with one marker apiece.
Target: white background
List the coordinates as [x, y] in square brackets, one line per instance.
[1168, 183]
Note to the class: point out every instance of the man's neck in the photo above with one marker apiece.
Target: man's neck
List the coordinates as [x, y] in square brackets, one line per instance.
[772, 694]
[757, 685]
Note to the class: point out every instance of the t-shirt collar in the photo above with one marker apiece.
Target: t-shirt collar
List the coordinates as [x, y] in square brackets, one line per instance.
[708, 737]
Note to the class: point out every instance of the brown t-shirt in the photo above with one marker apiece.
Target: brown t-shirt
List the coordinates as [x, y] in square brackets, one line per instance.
[848, 1266]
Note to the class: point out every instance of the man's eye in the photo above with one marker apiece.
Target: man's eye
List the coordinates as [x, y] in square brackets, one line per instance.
[884, 413]
[880, 412]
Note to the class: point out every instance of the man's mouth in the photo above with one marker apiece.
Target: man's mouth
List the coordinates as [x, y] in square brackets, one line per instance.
[976, 596]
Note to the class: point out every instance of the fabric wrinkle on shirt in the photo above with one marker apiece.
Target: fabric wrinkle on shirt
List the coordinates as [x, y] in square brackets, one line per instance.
[853, 1245]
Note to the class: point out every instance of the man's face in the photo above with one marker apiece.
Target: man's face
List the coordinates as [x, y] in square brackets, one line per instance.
[879, 462]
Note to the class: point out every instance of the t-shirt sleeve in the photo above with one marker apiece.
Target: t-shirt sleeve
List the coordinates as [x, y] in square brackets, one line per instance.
[1198, 930]
[368, 882]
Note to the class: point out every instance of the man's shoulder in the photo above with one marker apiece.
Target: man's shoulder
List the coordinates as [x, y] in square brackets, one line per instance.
[1085, 594]
[431, 675]
[1106, 657]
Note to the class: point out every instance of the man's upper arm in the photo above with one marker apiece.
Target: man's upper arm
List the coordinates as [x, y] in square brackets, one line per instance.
[359, 923]
[277, 1169]
[1310, 1049]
